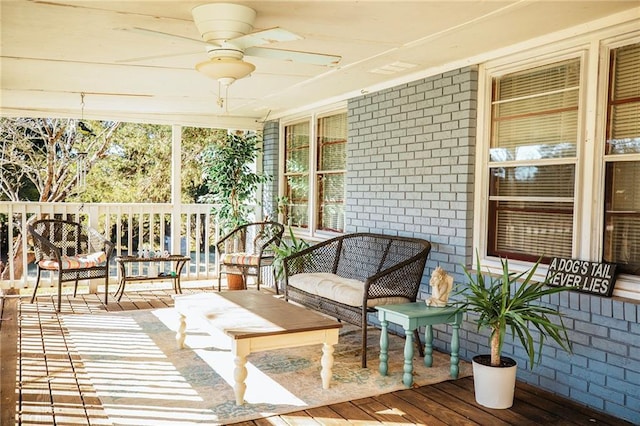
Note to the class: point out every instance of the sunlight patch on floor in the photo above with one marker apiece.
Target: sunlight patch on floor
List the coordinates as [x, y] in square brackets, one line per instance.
[260, 388]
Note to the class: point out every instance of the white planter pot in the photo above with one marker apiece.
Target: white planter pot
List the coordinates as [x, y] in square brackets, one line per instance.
[494, 386]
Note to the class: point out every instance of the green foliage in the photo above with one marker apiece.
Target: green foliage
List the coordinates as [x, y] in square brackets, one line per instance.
[512, 300]
[287, 247]
[137, 169]
[124, 162]
[230, 178]
[138, 166]
[194, 140]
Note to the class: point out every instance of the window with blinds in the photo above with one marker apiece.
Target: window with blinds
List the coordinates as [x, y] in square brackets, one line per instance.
[297, 149]
[534, 133]
[622, 179]
[330, 171]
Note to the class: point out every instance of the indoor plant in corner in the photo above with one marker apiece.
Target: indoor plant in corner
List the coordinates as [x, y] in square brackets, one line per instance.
[284, 249]
[509, 301]
[232, 183]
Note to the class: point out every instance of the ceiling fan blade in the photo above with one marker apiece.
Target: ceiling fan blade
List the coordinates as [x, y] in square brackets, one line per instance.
[155, 33]
[146, 58]
[271, 35]
[294, 56]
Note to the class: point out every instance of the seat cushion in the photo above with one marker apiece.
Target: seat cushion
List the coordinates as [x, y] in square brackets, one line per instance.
[343, 290]
[240, 259]
[76, 262]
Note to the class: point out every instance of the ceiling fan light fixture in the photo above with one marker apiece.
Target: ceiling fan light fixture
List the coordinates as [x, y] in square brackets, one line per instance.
[225, 70]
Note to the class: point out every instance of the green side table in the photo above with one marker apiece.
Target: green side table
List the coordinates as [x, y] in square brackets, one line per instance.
[410, 316]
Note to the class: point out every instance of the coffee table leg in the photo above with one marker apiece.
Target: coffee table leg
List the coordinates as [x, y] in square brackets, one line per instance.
[407, 377]
[180, 333]
[240, 352]
[327, 364]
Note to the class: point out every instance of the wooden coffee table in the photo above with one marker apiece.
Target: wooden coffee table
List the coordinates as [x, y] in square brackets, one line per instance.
[256, 321]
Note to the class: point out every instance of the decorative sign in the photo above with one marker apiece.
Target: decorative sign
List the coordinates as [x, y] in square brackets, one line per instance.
[589, 277]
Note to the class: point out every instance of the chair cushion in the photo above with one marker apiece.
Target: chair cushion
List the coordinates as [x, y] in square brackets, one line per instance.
[342, 290]
[76, 262]
[240, 259]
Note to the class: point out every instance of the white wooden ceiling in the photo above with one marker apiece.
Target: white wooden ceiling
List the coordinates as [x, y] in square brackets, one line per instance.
[53, 50]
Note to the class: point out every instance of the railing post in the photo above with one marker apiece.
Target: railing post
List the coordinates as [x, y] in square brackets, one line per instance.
[176, 188]
[93, 222]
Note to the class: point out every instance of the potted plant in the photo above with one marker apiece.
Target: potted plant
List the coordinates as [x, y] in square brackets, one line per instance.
[287, 247]
[232, 183]
[509, 301]
[230, 178]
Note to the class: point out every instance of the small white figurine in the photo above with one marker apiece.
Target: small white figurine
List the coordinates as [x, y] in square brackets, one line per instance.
[441, 284]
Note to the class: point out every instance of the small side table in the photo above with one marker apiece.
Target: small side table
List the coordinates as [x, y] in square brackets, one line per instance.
[410, 316]
[178, 260]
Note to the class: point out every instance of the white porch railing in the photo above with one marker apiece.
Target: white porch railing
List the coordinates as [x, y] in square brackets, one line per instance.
[188, 229]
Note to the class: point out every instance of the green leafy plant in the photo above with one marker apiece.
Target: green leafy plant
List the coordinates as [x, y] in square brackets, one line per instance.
[287, 247]
[230, 178]
[282, 202]
[511, 300]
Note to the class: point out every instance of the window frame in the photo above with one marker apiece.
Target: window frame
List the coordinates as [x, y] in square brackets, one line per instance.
[590, 160]
[545, 162]
[627, 285]
[312, 117]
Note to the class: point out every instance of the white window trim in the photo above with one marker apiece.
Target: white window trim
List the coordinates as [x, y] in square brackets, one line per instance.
[589, 194]
[626, 285]
[312, 116]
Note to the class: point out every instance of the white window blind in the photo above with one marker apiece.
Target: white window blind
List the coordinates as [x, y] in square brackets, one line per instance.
[534, 120]
[296, 212]
[331, 169]
[622, 182]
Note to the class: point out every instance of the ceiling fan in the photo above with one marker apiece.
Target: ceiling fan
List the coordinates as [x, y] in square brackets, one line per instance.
[226, 31]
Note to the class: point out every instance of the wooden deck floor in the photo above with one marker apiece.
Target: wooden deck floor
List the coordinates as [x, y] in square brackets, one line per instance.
[66, 400]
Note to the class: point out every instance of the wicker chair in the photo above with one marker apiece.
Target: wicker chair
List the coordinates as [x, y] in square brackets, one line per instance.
[71, 250]
[383, 269]
[247, 249]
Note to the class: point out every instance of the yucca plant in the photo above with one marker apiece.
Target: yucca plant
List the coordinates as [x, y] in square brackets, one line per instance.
[511, 300]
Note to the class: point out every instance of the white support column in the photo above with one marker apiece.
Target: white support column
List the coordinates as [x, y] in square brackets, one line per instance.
[176, 187]
[94, 222]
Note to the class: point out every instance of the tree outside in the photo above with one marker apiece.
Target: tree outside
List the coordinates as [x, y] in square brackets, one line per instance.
[58, 160]
[40, 159]
[231, 178]
[121, 162]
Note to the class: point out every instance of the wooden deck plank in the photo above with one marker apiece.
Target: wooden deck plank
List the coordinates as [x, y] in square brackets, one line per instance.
[299, 418]
[463, 389]
[439, 411]
[8, 355]
[35, 400]
[383, 410]
[576, 413]
[69, 398]
[327, 416]
[268, 421]
[351, 411]
[462, 407]
[412, 399]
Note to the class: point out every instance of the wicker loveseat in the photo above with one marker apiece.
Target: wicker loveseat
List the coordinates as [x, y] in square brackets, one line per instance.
[74, 252]
[347, 276]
